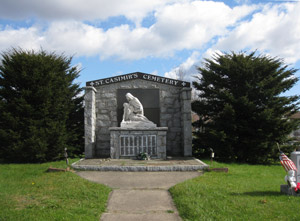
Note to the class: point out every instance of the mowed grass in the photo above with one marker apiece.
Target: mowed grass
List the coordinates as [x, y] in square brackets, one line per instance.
[246, 192]
[27, 192]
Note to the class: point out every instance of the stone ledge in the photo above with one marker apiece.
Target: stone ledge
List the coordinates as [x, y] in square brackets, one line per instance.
[187, 164]
[186, 89]
[139, 168]
[144, 129]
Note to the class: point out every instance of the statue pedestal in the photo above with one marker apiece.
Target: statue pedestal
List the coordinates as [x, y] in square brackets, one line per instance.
[138, 124]
[129, 142]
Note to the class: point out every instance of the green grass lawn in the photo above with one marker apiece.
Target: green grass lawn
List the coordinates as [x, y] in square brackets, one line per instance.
[246, 192]
[27, 192]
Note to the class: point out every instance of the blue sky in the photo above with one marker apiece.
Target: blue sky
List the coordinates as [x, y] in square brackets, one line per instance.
[162, 37]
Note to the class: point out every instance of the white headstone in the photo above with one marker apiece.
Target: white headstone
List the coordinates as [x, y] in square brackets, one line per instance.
[295, 157]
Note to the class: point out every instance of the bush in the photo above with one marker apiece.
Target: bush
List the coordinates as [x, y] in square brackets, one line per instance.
[41, 112]
[242, 112]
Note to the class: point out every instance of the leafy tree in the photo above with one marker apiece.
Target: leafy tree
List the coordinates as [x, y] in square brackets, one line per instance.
[41, 110]
[242, 112]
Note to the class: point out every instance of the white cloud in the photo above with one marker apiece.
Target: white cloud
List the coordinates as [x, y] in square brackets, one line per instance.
[125, 43]
[274, 30]
[178, 25]
[134, 10]
[191, 25]
[209, 53]
[27, 38]
[187, 69]
[155, 72]
[184, 25]
[74, 38]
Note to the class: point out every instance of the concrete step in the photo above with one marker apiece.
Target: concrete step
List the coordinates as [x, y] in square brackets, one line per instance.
[128, 165]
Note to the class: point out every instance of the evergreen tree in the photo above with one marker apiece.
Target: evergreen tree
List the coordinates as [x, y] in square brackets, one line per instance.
[241, 107]
[40, 107]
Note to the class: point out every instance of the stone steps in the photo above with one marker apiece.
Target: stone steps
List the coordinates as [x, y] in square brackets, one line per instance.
[191, 164]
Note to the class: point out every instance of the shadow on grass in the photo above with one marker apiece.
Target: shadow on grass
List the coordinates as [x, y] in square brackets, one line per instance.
[259, 193]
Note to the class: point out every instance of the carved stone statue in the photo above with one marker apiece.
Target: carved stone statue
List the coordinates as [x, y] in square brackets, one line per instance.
[133, 115]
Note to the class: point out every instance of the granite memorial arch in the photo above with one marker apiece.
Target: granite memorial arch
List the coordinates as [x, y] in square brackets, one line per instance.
[166, 102]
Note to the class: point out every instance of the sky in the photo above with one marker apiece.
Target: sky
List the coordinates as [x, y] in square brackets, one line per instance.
[161, 37]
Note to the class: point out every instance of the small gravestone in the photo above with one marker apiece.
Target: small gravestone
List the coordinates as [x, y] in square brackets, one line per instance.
[292, 167]
[295, 157]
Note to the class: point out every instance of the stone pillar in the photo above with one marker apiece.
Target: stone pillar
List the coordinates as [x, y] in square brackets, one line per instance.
[89, 121]
[186, 121]
[295, 157]
[162, 143]
[114, 143]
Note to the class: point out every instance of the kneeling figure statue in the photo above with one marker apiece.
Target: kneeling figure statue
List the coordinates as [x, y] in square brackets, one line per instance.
[133, 116]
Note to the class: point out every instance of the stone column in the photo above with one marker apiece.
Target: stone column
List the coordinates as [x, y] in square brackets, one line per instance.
[89, 121]
[162, 143]
[115, 142]
[186, 121]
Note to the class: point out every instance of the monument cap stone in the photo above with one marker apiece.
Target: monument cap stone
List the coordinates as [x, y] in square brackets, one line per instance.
[138, 75]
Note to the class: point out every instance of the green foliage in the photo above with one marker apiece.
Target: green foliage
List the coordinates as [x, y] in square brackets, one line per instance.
[241, 108]
[246, 192]
[41, 112]
[28, 192]
[143, 156]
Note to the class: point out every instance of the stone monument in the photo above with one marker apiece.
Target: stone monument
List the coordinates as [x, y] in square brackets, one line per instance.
[137, 135]
[137, 112]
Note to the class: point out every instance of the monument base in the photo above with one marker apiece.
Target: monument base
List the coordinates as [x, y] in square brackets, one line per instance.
[130, 142]
[288, 191]
[138, 124]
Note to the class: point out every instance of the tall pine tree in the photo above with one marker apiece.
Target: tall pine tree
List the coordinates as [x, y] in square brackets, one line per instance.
[242, 112]
[40, 107]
